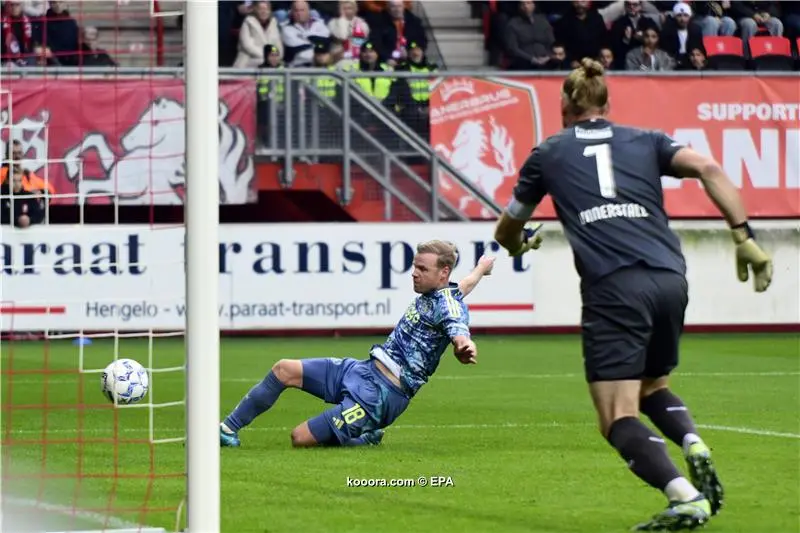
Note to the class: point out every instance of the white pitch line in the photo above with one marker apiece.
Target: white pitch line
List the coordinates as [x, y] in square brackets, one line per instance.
[98, 518]
[400, 427]
[459, 377]
[750, 431]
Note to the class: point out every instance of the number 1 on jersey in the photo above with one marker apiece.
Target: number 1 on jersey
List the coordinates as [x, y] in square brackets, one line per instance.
[605, 168]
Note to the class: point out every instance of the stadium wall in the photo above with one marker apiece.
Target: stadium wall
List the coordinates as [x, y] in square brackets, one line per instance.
[351, 278]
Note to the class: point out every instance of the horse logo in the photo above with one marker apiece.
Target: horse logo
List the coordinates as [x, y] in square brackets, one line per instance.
[469, 148]
[153, 159]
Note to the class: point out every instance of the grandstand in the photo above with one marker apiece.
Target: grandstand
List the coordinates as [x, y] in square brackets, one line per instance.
[348, 132]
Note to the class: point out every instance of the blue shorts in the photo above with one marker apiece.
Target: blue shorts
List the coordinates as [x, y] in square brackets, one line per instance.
[366, 399]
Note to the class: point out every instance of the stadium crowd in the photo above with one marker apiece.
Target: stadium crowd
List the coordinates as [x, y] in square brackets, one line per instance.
[42, 33]
[641, 35]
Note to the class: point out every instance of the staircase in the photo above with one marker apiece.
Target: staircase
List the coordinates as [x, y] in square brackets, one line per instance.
[458, 35]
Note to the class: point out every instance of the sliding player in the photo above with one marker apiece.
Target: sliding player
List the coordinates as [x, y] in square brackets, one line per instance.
[370, 394]
[605, 181]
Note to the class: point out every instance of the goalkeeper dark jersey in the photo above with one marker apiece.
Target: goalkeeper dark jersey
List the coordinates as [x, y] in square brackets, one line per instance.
[605, 182]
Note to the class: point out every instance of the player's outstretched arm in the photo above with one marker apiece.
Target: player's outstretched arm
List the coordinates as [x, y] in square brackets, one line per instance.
[471, 280]
[687, 163]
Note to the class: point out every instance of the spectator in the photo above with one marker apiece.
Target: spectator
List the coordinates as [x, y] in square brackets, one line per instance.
[91, 55]
[231, 15]
[283, 11]
[679, 37]
[300, 33]
[24, 206]
[43, 57]
[714, 18]
[697, 60]
[606, 58]
[373, 11]
[61, 33]
[36, 11]
[558, 58]
[348, 32]
[582, 31]
[790, 15]
[649, 57]
[399, 27]
[17, 44]
[30, 181]
[259, 30]
[613, 11]
[529, 38]
[627, 33]
[751, 15]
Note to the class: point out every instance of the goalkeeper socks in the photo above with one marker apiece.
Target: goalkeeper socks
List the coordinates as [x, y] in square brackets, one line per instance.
[257, 401]
[670, 416]
[644, 452]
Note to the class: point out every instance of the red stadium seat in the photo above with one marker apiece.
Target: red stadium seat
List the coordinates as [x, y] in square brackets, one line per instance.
[770, 46]
[771, 53]
[724, 53]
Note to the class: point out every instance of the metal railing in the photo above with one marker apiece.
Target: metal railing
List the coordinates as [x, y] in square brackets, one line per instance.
[368, 138]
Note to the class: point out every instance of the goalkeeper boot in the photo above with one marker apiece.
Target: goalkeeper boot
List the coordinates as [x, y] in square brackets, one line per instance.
[680, 516]
[228, 438]
[704, 475]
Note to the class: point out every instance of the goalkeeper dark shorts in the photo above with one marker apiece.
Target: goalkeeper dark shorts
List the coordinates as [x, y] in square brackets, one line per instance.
[631, 324]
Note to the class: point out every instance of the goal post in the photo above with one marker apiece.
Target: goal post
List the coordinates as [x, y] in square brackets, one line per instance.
[202, 263]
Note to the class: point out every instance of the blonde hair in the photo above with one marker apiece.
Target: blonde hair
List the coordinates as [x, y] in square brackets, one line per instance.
[585, 87]
[446, 254]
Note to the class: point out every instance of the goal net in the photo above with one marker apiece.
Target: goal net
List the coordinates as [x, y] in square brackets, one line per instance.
[96, 139]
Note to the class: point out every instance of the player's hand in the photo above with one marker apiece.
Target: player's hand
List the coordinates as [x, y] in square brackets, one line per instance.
[750, 256]
[466, 352]
[486, 264]
[531, 238]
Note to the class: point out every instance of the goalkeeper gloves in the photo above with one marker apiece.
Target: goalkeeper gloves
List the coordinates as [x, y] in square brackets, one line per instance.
[750, 256]
[531, 239]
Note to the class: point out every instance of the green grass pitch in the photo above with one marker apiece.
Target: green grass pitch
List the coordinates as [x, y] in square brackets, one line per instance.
[516, 434]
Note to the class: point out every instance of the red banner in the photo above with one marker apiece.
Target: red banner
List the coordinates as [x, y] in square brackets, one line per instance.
[124, 138]
[750, 125]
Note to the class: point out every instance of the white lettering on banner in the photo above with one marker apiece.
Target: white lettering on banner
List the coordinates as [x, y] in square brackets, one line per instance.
[324, 276]
[759, 153]
[786, 111]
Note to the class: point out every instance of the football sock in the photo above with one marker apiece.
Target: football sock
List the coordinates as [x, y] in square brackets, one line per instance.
[670, 416]
[680, 490]
[644, 452]
[257, 401]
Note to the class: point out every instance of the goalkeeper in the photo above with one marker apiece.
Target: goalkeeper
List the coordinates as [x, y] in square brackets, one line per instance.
[370, 394]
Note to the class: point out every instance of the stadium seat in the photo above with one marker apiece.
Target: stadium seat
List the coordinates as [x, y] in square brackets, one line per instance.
[771, 53]
[724, 53]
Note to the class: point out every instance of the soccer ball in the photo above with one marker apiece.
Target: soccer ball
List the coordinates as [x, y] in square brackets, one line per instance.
[126, 380]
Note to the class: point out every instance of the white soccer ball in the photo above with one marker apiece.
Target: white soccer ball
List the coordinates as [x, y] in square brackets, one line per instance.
[126, 380]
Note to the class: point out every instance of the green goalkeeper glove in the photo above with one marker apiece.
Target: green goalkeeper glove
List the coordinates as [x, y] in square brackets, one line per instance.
[531, 239]
[749, 255]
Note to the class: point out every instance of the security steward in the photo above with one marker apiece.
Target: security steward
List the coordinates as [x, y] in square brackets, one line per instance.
[270, 93]
[410, 96]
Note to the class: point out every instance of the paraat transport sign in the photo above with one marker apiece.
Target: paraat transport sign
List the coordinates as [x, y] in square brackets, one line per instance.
[314, 276]
[127, 255]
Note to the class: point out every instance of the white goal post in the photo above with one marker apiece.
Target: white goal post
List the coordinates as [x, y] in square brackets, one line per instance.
[202, 263]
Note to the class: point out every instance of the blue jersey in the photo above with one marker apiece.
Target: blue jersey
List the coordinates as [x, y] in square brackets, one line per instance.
[413, 349]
